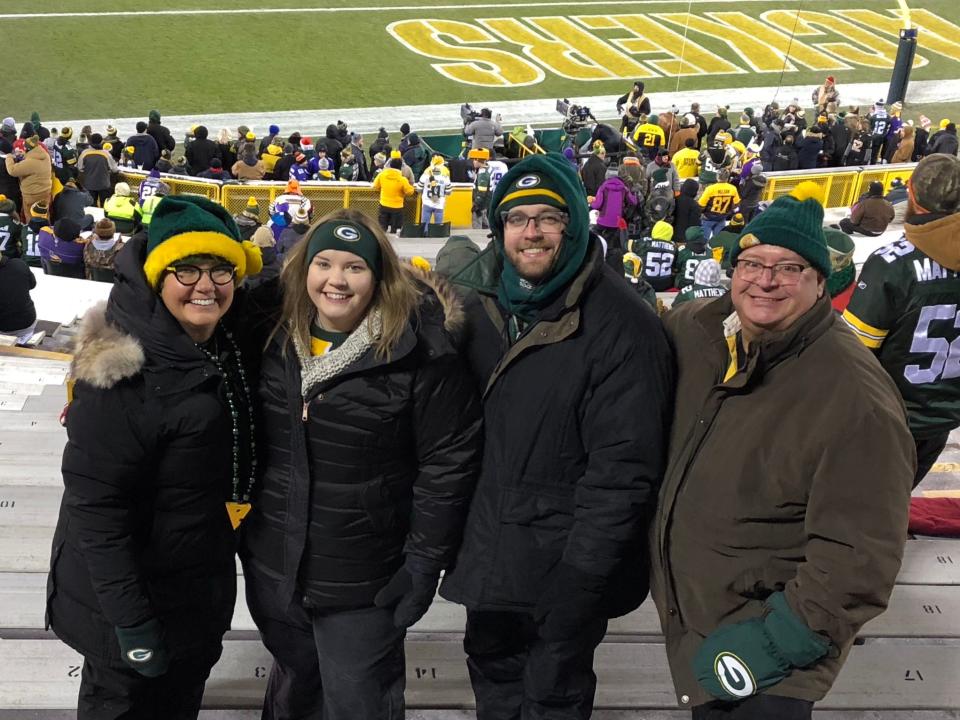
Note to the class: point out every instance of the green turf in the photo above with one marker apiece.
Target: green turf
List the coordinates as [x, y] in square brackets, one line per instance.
[123, 66]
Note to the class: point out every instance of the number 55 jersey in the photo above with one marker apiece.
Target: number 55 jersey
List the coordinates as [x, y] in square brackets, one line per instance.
[905, 308]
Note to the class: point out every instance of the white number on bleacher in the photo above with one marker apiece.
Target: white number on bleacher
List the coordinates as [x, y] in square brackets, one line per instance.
[946, 355]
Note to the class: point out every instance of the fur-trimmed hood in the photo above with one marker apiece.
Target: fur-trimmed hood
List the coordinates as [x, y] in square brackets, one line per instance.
[104, 355]
[450, 302]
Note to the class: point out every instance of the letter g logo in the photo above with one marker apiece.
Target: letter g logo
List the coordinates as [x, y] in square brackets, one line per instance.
[734, 675]
[140, 655]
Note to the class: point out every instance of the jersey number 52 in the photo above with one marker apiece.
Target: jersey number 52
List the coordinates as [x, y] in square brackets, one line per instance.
[946, 355]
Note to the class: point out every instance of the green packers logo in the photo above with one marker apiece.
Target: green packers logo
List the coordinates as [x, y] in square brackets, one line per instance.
[140, 655]
[734, 676]
[347, 233]
[528, 181]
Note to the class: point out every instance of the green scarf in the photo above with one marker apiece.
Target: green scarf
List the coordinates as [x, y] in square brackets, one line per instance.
[524, 299]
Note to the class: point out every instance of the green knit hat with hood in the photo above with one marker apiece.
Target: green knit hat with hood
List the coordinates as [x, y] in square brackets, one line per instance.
[547, 179]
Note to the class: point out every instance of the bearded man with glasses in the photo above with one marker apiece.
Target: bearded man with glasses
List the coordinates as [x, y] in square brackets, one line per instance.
[783, 511]
[577, 383]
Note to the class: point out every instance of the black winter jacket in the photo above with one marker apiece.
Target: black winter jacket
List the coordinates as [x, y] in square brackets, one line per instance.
[687, 212]
[71, 203]
[377, 459]
[576, 415]
[593, 173]
[143, 531]
[201, 151]
[162, 136]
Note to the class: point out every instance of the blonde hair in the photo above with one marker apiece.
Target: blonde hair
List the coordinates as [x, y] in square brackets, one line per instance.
[224, 137]
[395, 295]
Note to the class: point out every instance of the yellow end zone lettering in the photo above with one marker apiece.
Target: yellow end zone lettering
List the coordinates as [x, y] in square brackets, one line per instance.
[477, 65]
[510, 52]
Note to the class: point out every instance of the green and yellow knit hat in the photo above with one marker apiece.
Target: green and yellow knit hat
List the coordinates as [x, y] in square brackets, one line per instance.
[532, 188]
[794, 222]
[184, 225]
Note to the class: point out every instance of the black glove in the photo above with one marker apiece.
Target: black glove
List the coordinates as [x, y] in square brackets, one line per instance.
[571, 598]
[411, 590]
[143, 649]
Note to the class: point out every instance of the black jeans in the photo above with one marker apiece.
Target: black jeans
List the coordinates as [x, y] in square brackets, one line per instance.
[118, 692]
[758, 707]
[516, 675]
[390, 219]
[928, 450]
[346, 665]
[846, 224]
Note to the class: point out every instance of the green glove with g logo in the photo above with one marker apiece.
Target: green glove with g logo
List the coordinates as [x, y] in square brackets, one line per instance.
[142, 648]
[737, 661]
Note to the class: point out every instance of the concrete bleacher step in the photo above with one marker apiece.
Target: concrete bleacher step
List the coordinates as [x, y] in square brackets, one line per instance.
[45, 674]
[915, 611]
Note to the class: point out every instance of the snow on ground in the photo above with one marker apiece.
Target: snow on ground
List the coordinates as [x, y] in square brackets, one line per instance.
[541, 112]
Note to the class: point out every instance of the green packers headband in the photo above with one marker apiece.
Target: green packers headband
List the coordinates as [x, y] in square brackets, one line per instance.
[349, 237]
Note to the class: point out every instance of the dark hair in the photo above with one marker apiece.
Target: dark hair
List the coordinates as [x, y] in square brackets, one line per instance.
[396, 163]
[485, 112]
[141, 126]
[689, 142]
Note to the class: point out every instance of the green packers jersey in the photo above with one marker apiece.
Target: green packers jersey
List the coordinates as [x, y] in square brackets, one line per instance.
[905, 308]
[695, 292]
[658, 259]
[687, 261]
[11, 235]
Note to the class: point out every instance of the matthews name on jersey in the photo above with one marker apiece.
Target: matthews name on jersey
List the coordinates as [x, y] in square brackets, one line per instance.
[905, 308]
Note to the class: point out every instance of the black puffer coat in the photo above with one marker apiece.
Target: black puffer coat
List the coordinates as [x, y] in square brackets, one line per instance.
[379, 461]
[143, 531]
[576, 416]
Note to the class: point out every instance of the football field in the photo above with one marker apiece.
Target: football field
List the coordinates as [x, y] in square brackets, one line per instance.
[120, 58]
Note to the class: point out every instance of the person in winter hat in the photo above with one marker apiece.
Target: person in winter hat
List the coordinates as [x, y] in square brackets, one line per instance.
[906, 284]
[841, 283]
[160, 437]
[751, 630]
[707, 283]
[633, 272]
[871, 214]
[361, 337]
[544, 564]
[248, 219]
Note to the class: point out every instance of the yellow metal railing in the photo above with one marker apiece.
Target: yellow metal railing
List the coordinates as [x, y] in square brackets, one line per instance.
[840, 186]
[179, 184]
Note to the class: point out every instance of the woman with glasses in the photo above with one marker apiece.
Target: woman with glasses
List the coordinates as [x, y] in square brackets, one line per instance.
[158, 469]
[370, 448]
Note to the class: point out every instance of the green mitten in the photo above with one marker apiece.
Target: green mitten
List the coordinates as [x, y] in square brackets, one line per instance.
[736, 661]
[143, 649]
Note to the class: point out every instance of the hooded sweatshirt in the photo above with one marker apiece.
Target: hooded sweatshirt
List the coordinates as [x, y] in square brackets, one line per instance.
[687, 212]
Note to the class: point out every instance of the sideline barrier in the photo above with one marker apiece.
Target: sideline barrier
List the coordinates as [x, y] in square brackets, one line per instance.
[329, 196]
[179, 184]
[840, 186]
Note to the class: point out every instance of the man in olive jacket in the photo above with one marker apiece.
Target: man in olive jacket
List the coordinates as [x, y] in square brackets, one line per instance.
[783, 511]
[577, 382]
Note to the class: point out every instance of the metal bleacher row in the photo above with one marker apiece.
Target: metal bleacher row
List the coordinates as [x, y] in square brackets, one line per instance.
[907, 660]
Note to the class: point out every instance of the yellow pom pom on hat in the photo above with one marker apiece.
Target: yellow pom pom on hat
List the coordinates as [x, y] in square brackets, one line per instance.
[184, 225]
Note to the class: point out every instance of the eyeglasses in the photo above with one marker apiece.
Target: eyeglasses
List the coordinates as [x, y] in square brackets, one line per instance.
[190, 274]
[784, 273]
[548, 222]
